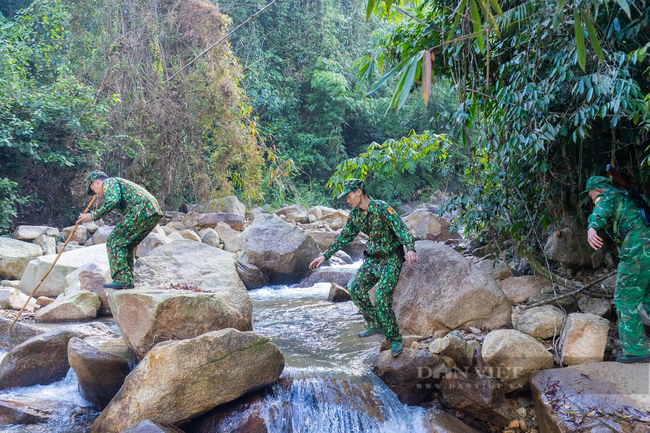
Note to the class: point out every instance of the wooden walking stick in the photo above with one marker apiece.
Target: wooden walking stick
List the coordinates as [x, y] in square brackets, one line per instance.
[53, 263]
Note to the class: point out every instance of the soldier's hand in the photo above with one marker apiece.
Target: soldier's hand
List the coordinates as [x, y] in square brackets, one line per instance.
[84, 218]
[411, 257]
[317, 262]
[594, 240]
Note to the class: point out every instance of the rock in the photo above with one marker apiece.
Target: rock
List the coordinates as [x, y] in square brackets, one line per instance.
[344, 257]
[618, 392]
[179, 380]
[210, 237]
[327, 274]
[539, 322]
[562, 246]
[583, 339]
[288, 210]
[232, 239]
[498, 270]
[14, 299]
[89, 242]
[479, 396]
[424, 222]
[101, 365]
[281, 251]
[412, 375]
[324, 239]
[10, 283]
[90, 278]
[150, 243]
[461, 351]
[80, 234]
[27, 411]
[244, 415]
[69, 261]
[439, 345]
[520, 289]
[338, 294]
[72, 245]
[28, 233]
[251, 275]
[75, 308]
[200, 221]
[174, 226]
[152, 312]
[337, 224]
[175, 236]
[598, 306]
[149, 426]
[21, 332]
[190, 235]
[320, 211]
[47, 244]
[407, 341]
[436, 421]
[101, 234]
[44, 301]
[230, 205]
[43, 359]
[55, 233]
[302, 218]
[91, 227]
[329, 217]
[445, 291]
[511, 356]
[568, 304]
[15, 256]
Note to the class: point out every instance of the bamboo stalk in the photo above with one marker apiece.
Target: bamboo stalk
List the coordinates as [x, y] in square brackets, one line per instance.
[53, 263]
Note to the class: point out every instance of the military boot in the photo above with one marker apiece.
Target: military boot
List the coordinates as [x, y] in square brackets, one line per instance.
[370, 331]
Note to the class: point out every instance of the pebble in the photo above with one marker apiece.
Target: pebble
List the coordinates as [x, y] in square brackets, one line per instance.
[514, 424]
[439, 345]
[475, 330]
[521, 412]
[522, 425]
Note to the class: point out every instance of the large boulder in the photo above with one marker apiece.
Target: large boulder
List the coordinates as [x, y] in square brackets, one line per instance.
[29, 233]
[583, 339]
[149, 426]
[327, 274]
[424, 222]
[437, 421]
[457, 348]
[211, 237]
[79, 235]
[20, 333]
[199, 221]
[183, 289]
[281, 251]
[354, 249]
[179, 380]
[232, 239]
[47, 244]
[338, 294]
[15, 256]
[251, 276]
[230, 204]
[69, 261]
[563, 246]
[24, 411]
[43, 359]
[445, 291]
[412, 375]
[101, 365]
[600, 397]
[90, 278]
[539, 322]
[520, 289]
[499, 270]
[101, 234]
[77, 307]
[511, 357]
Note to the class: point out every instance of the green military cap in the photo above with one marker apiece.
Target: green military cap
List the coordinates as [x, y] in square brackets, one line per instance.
[597, 182]
[350, 185]
[93, 176]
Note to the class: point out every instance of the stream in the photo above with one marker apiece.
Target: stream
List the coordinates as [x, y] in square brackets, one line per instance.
[327, 385]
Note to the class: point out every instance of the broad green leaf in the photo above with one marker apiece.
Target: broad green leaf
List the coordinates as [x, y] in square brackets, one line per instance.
[389, 74]
[593, 37]
[580, 41]
[459, 14]
[388, 4]
[369, 8]
[476, 24]
[625, 6]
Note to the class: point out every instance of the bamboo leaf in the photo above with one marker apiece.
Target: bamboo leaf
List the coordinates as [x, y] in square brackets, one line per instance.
[404, 87]
[459, 14]
[369, 8]
[625, 6]
[389, 74]
[559, 13]
[593, 36]
[496, 7]
[388, 4]
[580, 41]
[476, 23]
[426, 77]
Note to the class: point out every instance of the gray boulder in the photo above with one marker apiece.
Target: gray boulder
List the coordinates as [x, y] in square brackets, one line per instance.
[80, 234]
[232, 239]
[101, 234]
[230, 204]
[77, 307]
[47, 244]
[539, 322]
[15, 256]
[29, 233]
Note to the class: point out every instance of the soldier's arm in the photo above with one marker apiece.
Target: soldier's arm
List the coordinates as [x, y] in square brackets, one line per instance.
[399, 228]
[112, 197]
[603, 211]
[347, 235]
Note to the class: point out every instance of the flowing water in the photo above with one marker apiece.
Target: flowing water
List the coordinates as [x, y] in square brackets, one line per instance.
[327, 385]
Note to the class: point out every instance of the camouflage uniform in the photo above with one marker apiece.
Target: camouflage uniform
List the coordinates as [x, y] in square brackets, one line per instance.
[386, 233]
[141, 213]
[633, 273]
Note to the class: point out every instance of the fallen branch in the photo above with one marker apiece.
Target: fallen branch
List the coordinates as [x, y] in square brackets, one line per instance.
[566, 295]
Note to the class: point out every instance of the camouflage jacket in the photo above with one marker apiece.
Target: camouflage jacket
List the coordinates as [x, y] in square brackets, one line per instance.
[612, 204]
[385, 229]
[128, 198]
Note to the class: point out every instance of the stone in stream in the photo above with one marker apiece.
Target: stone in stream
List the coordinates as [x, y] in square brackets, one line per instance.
[69, 261]
[445, 291]
[209, 296]
[15, 256]
[21, 410]
[90, 278]
[511, 357]
[20, 333]
[280, 250]
[251, 275]
[101, 364]
[583, 339]
[479, 396]
[338, 294]
[599, 397]
[437, 421]
[354, 249]
[77, 307]
[43, 359]
[328, 274]
[149, 426]
[412, 375]
[179, 380]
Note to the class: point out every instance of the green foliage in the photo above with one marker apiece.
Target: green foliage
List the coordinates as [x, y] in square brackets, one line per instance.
[10, 201]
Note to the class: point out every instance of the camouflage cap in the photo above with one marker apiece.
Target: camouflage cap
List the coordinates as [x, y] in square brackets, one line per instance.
[597, 182]
[93, 176]
[350, 185]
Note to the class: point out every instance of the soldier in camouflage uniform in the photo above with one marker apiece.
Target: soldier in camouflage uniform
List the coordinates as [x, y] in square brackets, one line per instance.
[633, 272]
[140, 212]
[387, 235]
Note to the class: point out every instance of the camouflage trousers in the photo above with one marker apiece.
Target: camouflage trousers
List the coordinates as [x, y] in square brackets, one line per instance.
[386, 272]
[632, 288]
[121, 244]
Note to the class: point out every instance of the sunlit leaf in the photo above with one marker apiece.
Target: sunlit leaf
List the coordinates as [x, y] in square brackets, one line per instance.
[459, 14]
[580, 41]
[476, 24]
[593, 37]
[625, 6]
[369, 8]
